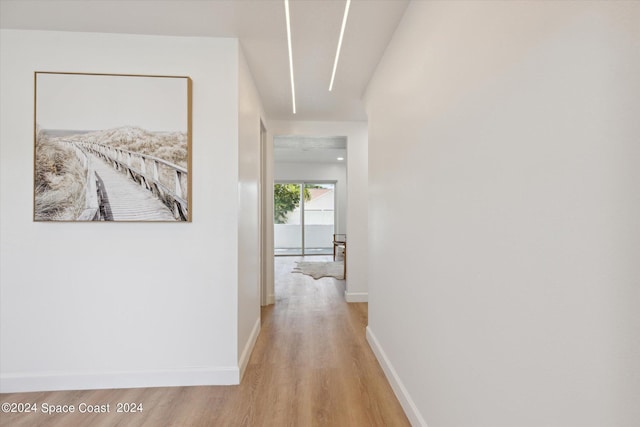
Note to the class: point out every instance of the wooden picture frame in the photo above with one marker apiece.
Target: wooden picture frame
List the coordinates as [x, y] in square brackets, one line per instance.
[112, 147]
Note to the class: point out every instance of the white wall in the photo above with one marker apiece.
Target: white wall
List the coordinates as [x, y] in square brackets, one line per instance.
[288, 171]
[250, 114]
[357, 181]
[508, 294]
[89, 305]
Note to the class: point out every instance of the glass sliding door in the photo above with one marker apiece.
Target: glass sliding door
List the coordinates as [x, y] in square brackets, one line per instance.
[304, 218]
[287, 218]
[319, 218]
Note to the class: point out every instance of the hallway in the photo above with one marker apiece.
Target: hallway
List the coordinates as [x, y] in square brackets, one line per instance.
[311, 366]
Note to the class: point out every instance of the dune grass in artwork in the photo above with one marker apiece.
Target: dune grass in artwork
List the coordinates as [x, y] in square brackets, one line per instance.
[60, 181]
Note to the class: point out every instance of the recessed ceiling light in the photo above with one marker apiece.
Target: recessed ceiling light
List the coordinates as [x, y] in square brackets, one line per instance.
[335, 63]
[293, 89]
[340, 158]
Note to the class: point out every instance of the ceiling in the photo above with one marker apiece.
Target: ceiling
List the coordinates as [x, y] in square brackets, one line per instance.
[308, 149]
[260, 26]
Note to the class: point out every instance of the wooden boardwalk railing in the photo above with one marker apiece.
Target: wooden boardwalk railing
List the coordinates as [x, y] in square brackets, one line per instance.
[93, 197]
[164, 179]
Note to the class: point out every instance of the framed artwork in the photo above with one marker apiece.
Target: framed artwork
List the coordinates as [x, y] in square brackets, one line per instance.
[112, 147]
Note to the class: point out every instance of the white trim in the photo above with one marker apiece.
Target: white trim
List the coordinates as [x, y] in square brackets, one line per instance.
[356, 296]
[271, 299]
[262, 185]
[248, 348]
[19, 383]
[410, 409]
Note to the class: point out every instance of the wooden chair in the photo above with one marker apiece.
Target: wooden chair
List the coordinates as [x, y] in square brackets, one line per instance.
[340, 241]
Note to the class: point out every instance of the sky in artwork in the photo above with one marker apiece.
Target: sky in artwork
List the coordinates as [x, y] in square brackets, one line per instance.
[94, 102]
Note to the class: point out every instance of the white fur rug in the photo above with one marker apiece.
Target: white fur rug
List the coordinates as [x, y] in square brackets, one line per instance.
[320, 269]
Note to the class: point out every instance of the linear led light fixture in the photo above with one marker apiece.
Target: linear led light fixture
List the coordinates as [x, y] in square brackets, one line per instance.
[293, 88]
[344, 24]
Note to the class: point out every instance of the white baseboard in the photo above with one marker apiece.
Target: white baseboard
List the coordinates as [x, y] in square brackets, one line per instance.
[21, 383]
[271, 299]
[248, 348]
[356, 296]
[18, 383]
[410, 409]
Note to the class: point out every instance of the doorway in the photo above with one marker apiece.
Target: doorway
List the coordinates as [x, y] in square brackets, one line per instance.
[304, 217]
[306, 163]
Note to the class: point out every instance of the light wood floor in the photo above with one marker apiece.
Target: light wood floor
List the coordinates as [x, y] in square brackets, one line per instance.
[311, 366]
